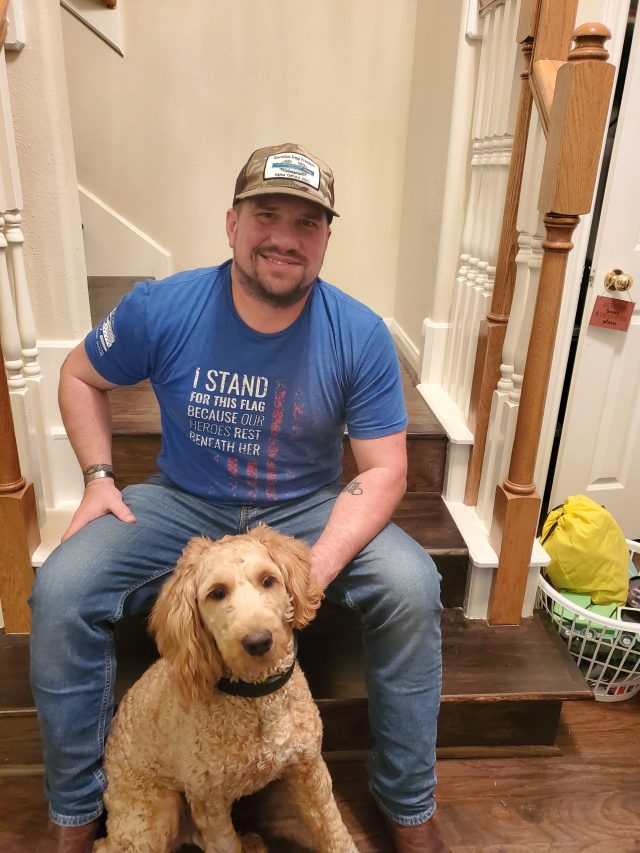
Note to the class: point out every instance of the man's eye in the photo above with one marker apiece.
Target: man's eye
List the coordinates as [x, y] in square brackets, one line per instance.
[218, 593]
[268, 581]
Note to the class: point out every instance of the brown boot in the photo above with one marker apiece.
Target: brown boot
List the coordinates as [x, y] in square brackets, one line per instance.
[423, 838]
[67, 839]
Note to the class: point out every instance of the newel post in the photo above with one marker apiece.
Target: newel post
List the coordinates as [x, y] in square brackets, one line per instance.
[576, 128]
[20, 534]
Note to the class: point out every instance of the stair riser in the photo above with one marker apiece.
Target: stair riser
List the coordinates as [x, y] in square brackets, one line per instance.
[463, 724]
[20, 742]
[426, 459]
[134, 459]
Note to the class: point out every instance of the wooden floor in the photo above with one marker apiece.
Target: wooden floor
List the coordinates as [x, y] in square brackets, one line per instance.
[585, 799]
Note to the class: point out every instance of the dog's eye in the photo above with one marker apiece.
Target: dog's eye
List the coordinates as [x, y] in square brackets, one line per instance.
[268, 581]
[218, 593]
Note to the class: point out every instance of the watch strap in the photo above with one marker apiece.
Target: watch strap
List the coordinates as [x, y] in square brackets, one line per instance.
[97, 472]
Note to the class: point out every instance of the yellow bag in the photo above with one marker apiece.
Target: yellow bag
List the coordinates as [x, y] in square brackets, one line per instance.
[588, 551]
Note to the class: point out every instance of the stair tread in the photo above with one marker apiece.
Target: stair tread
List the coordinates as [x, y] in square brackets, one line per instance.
[481, 663]
[425, 517]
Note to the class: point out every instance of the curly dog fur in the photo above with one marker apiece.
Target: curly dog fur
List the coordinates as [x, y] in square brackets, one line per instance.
[180, 751]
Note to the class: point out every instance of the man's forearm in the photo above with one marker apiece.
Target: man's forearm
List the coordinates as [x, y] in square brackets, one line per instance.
[86, 414]
[362, 509]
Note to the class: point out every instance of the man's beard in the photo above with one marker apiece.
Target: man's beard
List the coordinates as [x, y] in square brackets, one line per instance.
[256, 287]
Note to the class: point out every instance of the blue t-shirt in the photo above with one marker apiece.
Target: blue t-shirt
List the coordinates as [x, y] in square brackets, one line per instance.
[249, 417]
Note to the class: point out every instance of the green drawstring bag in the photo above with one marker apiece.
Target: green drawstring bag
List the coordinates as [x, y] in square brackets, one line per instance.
[588, 551]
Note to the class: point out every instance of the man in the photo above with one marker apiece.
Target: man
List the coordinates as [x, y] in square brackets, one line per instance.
[257, 365]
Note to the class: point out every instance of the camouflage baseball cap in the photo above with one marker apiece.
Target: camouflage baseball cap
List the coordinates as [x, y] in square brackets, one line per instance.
[288, 169]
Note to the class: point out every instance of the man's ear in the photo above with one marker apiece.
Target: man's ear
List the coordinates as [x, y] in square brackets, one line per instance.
[232, 222]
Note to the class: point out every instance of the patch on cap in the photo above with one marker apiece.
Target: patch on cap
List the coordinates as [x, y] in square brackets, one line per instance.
[289, 169]
[292, 167]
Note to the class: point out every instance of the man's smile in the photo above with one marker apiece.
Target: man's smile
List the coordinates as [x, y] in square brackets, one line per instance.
[280, 260]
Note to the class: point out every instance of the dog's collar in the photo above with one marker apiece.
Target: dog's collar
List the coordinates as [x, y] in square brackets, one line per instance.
[251, 689]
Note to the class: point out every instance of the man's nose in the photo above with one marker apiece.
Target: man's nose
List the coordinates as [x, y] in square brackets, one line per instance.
[284, 236]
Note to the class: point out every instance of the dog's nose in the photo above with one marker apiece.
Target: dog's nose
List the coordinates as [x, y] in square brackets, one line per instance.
[257, 643]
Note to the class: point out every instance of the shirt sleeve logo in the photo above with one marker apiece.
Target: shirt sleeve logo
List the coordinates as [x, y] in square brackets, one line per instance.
[106, 332]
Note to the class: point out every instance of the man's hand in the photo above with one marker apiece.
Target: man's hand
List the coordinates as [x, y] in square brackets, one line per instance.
[101, 497]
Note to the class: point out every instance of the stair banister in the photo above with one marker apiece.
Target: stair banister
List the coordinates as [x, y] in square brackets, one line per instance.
[544, 31]
[576, 128]
[493, 327]
[20, 533]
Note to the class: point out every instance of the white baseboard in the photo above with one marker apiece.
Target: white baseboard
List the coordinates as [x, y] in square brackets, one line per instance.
[405, 345]
[113, 246]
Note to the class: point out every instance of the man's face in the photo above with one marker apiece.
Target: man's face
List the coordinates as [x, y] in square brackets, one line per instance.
[278, 244]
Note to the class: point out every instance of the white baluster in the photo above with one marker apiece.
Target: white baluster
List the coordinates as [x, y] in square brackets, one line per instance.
[512, 335]
[27, 396]
[492, 457]
[9, 333]
[24, 310]
[456, 325]
[535, 263]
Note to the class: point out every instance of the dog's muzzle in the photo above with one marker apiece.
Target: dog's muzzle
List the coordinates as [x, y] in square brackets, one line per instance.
[257, 643]
[259, 688]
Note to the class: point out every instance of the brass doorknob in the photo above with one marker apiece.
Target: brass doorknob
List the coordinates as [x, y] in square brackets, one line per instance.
[617, 280]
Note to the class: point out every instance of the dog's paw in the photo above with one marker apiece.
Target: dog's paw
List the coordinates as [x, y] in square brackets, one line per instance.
[253, 844]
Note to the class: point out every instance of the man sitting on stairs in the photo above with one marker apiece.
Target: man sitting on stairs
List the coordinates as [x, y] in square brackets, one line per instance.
[257, 365]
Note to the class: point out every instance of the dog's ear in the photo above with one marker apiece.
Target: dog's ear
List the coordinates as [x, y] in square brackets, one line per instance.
[176, 624]
[294, 561]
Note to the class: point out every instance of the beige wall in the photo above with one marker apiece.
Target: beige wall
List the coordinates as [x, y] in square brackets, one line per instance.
[54, 256]
[161, 133]
[436, 35]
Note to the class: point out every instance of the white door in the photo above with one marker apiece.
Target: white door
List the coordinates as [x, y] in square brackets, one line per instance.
[599, 453]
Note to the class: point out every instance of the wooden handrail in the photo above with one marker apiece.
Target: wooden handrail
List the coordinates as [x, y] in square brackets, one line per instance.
[4, 23]
[493, 327]
[576, 128]
[544, 33]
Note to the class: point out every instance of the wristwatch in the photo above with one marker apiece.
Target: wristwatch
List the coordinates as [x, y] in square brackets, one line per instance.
[96, 472]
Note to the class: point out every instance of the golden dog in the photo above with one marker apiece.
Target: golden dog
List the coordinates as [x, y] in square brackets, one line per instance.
[184, 745]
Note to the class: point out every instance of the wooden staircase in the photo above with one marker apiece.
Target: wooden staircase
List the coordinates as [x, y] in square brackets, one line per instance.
[503, 687]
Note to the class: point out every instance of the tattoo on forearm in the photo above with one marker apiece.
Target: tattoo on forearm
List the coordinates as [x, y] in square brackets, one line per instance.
[354, 488]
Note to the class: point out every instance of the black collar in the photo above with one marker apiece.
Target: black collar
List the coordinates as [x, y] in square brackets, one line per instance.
[250, 689]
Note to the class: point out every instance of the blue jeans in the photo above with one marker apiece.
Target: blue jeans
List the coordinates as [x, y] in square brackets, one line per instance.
[110, 570]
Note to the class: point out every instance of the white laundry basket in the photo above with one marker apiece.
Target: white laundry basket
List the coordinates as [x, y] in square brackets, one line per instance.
[606, 650]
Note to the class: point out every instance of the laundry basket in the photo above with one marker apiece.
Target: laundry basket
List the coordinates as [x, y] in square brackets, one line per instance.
[607, 650]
